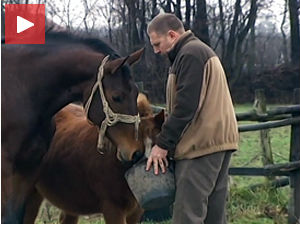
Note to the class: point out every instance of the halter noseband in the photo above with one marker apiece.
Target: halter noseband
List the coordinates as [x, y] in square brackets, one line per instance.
[111, 118]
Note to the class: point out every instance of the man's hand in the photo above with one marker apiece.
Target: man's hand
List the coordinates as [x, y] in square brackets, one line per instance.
[158, 156]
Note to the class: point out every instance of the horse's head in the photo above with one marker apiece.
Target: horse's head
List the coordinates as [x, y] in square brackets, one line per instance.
[114, 98]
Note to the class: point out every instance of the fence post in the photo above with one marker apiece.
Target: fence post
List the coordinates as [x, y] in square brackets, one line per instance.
[294, 204]
[265, 140]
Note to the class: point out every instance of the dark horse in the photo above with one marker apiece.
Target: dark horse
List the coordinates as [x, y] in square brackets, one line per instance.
[79, 180]
[39, 80]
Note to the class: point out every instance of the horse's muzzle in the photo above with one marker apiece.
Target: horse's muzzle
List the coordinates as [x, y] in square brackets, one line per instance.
[137, 155]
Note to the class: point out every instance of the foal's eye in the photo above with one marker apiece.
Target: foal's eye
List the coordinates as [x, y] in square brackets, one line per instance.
[117, 99]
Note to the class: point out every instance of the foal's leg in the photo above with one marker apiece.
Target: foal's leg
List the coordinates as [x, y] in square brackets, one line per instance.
[32, 206]
[67, 218]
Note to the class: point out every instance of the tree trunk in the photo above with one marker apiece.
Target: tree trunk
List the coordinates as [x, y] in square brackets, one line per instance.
[167, 7]
[187, 24]
[133, 31]
[251, 58]
[2, 19]
[143, 21]
[222, 35]
[284, 41]
[200, 26]
[295, 38]
[229, 54]
[125, 29]
[194, 11]
[177, 9]
[154, 9]
[239, 59]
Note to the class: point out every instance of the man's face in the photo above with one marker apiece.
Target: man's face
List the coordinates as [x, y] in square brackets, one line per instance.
[162, 43]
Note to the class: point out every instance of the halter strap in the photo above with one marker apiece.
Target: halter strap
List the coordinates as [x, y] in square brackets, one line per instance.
[111, 118]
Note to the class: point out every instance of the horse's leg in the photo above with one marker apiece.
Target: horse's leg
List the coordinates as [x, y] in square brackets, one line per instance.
[135, 215]
[32, 206]
[15, 192]
[15, 189]
[112, 214]
[67, 218]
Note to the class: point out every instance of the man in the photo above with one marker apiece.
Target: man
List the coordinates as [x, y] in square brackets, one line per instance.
[200, 131]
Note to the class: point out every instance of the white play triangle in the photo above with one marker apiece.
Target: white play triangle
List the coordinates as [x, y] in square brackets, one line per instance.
[23, 24]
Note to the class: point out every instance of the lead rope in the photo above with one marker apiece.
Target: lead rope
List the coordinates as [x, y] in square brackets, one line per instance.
[111, 118]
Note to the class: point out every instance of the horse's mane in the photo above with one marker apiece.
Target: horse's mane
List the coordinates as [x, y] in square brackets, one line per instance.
[59, 36]
[67, 38]
[62, 39]
[144, 106]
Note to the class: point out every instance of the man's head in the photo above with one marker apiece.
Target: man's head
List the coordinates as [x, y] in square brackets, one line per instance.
[164, 30]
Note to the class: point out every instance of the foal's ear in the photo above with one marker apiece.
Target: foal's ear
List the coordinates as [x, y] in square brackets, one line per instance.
[159, 119]
[134, 57]
[114, 65]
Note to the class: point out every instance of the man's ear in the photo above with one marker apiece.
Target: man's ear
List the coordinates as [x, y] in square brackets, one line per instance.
[172, 33]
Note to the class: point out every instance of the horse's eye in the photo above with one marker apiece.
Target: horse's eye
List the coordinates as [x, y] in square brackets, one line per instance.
[117, 99]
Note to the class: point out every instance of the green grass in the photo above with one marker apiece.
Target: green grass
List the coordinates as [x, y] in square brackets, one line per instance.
[245, 206]
[264, 205]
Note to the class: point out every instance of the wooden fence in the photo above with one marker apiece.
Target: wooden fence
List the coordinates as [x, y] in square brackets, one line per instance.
[278, 117]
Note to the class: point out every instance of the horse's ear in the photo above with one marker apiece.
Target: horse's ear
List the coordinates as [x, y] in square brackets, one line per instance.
[134, 57]
[114, 65]
[159, 118]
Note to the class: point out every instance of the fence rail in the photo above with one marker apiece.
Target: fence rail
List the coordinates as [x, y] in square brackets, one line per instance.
[283, 169]
[268, 125]
[269, 115]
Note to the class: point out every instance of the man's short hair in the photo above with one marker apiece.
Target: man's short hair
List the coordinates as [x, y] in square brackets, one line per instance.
[164, 22]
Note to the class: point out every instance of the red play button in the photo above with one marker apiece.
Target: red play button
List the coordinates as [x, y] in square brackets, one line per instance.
[25, 24]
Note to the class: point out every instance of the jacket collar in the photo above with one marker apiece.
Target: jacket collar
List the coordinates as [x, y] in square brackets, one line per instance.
[183, 39]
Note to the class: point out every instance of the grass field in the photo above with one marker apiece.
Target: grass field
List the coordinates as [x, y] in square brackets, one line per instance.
[245, 206]
[263, 205]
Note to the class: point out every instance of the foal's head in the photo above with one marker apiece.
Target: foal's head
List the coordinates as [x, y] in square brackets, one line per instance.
[150, 124]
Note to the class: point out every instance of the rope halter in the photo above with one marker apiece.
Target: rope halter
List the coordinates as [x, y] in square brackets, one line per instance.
[111, 118]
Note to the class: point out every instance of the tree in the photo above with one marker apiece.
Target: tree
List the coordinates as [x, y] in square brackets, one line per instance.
[295, 36]
[284, 41]
[2, 18]
[178, 9]
[234, 60]
[134, 38]
[166, 5]
[187, 24]
[222, 32]
[200, 25]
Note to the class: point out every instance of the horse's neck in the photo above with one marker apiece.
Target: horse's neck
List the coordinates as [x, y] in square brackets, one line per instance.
[70, 74]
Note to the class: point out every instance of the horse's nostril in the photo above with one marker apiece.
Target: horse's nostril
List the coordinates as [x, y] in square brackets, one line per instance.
[137, 156]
